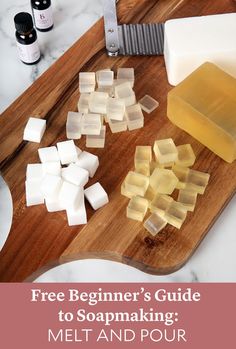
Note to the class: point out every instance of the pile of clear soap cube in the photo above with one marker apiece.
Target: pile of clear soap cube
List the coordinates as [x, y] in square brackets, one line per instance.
[59, 181]
[155, 178]
[104, 98]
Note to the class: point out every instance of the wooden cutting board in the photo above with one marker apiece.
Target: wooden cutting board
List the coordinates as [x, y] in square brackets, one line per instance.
[38, 239]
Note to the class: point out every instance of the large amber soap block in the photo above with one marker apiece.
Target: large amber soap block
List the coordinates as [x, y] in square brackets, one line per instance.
[204, 105]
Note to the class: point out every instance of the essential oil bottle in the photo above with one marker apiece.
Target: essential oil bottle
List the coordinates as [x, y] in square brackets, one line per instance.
[26, 37]
[42, 13]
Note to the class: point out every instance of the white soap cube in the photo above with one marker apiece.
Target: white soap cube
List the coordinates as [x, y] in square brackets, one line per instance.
[50, 185]
[190, 42]
[34, 130]
[96, 196]
[53, 204]
[33, 192]
[105, 78]
[78, 150]
[89, 162]
[48, 154]
[67, 152]
[34, 171]
[78, 216]
[71, 195]
[76, 175]
[73, 125]
[52, 168]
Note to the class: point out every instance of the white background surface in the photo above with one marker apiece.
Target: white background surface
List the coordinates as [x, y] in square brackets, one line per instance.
[215, 259]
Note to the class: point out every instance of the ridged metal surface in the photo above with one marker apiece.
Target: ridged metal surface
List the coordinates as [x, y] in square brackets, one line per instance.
[141, 39]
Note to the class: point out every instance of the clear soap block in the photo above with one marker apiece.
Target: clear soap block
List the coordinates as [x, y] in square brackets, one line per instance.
[83, 104]
[160, 204]
[142, 159]
[187, 198]
[148, 104]
[73, 125]
[163, 181]
[155, 223]
[115, 109]
[186, 156]
[96, 141]
[182, 175]
[118, 126]
[165, 151]
[125, 92]
[136, 183]
[150, 194]
[126, 75]
[87, 82]
[197, 181]
[91, 124]
[98, 102]
[105, 78]
[176, 214]
[125, 192]
[135, 118]
[137, 208]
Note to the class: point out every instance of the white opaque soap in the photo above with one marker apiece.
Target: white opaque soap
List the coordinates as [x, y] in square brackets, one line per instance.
[212, 39]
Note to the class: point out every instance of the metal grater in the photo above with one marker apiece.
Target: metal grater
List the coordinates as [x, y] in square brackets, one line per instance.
[131, 39]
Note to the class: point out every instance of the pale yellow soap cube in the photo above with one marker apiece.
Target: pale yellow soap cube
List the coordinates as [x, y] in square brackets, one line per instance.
[160, 204]
[148, 104]
[188, 199]
[176, 214]
[197, 181]
[125, 192]
[165, 151]
[155, 223]
[150, 194]
[136, 183]
[182, 175]
[186, 156]
[137, 208]
[163, 181]
[142, 159]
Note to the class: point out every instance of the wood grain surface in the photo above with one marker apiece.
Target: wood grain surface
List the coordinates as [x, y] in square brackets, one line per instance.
[38, 239]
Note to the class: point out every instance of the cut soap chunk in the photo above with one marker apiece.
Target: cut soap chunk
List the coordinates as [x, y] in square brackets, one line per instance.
[34, 130]
[137, 208]
[186, 156]
[188, 199]
[96, 141]
[148, 104]
[48, 154]
[155, 223]
[163, 181]
[136, 183]
[176, 214]
[96, 196]
[165, 151]
[67, 152]
[89, 162]
[33, 192]
[204, 106]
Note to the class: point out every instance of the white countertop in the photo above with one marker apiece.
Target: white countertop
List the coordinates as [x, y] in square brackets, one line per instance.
[215, 259]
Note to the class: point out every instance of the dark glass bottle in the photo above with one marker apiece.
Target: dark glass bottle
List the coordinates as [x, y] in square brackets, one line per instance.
[42, 13]
[26, 37]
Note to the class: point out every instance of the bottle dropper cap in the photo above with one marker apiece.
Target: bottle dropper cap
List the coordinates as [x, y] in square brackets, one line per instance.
[23, 22]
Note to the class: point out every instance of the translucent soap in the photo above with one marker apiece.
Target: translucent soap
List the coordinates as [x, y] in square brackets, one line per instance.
[105, 78]
[165, 151]
[197, 181]
[187, 198]
[204, 106]
[148, 104]
[137, 208]
[73, 125]
[125, 92]
[186, 156]
[163, 181]
[96, 141]
[182, 175]
[136, 183]
[87, 82]
[155, 223]
[98, 102]
[115, 109]
[125, 192]
[135, 118]
[118, 126]
[83, 104]
[91, 124]
[142, 159]
[176, 214]
[126, 74]
[150, 194]
[160, 204]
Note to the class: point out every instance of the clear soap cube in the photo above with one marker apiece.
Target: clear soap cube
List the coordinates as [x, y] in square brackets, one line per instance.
[96, 141]
[165, 151]
[126, 74]
[137, 208]
[155, 223]
[118, 126]
[135, 118]
[83, 104]
[73, 125]
[188, 198]
[142, 159]
[87, 82]
[176, 214]
[186, 156]
[98, 102]
[125, 92]
[105, 78]
[91, 124]
[148, 104]
[115, 109]
[160, 203]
